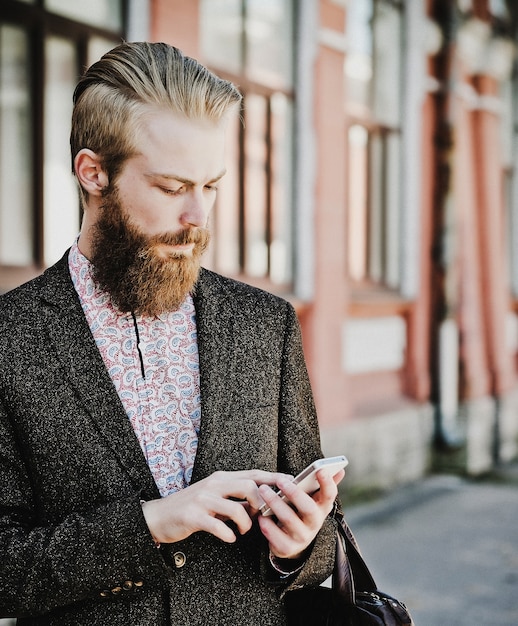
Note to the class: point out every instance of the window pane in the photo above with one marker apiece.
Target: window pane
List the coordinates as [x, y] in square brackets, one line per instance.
[104, 13]
[376, 208]
[511, 198]
[358, 62]
[221, 33]
[280, 252]
[253, 40]
[374, 87]
[15, 149]
[269, 41]
[60, 208]
[387, 87]
[97, 46]
[509, 139]
[393, 210]
[506, 127]
[357, 201]
[256, 262]
[225, 218]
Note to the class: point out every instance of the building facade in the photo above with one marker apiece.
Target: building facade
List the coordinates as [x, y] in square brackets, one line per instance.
[372, 181]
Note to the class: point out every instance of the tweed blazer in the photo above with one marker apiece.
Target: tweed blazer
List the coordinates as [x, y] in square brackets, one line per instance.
[74, 546]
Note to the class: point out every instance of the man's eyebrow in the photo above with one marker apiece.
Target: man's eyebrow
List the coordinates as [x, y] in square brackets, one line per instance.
[181, 179]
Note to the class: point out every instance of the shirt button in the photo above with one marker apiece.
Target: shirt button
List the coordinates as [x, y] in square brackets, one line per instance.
[179, 559]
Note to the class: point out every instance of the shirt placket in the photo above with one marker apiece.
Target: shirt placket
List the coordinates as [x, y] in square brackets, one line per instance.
[144, 376]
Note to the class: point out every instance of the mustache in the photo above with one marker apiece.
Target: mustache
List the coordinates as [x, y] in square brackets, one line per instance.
[183, 237]
[192, 235]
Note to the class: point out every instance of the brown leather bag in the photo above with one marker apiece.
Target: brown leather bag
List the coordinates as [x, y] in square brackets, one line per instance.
[353, 599]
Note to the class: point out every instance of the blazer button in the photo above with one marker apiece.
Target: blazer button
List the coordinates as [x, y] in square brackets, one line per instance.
[116, 590]
[127, 585]
[139, 583]
[179, 559]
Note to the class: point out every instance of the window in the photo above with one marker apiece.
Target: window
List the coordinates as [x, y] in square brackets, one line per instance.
[251, 43]
[509, 142]
[16, 228]
[43, 50]
[502, 64]
[60, 215]
[373, 71]
[103, 13]
[251, 38]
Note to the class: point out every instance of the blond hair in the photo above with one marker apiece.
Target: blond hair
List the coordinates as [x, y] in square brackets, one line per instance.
[113, 94]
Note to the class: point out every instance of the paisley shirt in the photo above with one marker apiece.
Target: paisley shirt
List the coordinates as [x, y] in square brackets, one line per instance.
[153, 363]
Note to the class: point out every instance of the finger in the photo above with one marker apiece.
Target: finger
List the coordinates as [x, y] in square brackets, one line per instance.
[219, 529]
[243, 486]
[310, 509]
[281, 507]
[283, 543]
[234, 512]
[261, 477]
[296, 497]
[338, 477]
[241, 491]
[328, 485]
[328, 491]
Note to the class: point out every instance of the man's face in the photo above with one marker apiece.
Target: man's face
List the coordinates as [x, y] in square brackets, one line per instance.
[150, 231]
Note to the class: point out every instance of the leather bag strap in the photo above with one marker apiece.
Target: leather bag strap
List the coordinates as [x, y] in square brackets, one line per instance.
[350, 572]
[353, 584]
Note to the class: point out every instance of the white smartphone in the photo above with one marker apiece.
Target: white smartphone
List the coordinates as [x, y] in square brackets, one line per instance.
[307, 479]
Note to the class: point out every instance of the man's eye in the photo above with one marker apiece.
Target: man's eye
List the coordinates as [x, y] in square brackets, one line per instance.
[211, 187]
[171, 192]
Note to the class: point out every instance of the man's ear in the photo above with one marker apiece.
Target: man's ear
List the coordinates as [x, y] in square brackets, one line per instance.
[91, 176]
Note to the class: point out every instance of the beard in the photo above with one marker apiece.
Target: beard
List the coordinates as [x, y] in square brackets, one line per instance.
[132, 266]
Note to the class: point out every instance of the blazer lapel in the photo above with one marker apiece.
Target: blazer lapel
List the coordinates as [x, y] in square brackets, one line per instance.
[216, 346]
[80, 357]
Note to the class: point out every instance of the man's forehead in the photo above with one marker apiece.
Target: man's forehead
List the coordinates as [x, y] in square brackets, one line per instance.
[175, 177]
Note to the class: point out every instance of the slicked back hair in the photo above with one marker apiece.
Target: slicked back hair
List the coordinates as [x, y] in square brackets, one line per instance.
[114, 93]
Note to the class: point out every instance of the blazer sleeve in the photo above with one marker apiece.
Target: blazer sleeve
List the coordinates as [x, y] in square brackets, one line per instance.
[83, 556]
[299, 445]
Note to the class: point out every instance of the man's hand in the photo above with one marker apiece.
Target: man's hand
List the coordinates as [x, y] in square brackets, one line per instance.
[291, 530]
[208, 504]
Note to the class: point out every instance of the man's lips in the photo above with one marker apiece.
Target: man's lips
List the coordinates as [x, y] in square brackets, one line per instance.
[165, 250]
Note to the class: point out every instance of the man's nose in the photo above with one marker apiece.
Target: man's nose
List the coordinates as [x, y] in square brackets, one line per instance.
[196, 210]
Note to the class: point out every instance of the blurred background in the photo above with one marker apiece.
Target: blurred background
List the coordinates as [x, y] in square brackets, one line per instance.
[373, 181]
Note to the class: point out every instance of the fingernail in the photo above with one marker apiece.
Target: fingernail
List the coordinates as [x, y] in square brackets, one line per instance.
[264, 489]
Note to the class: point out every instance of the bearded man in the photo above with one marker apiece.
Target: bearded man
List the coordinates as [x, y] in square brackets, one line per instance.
[148, 406]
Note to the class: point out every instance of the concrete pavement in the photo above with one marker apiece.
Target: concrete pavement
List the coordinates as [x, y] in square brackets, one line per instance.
[447, 547]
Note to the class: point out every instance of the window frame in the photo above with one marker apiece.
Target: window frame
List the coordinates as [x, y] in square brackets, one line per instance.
[252, 88]
[40, 24]
[374, 263]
